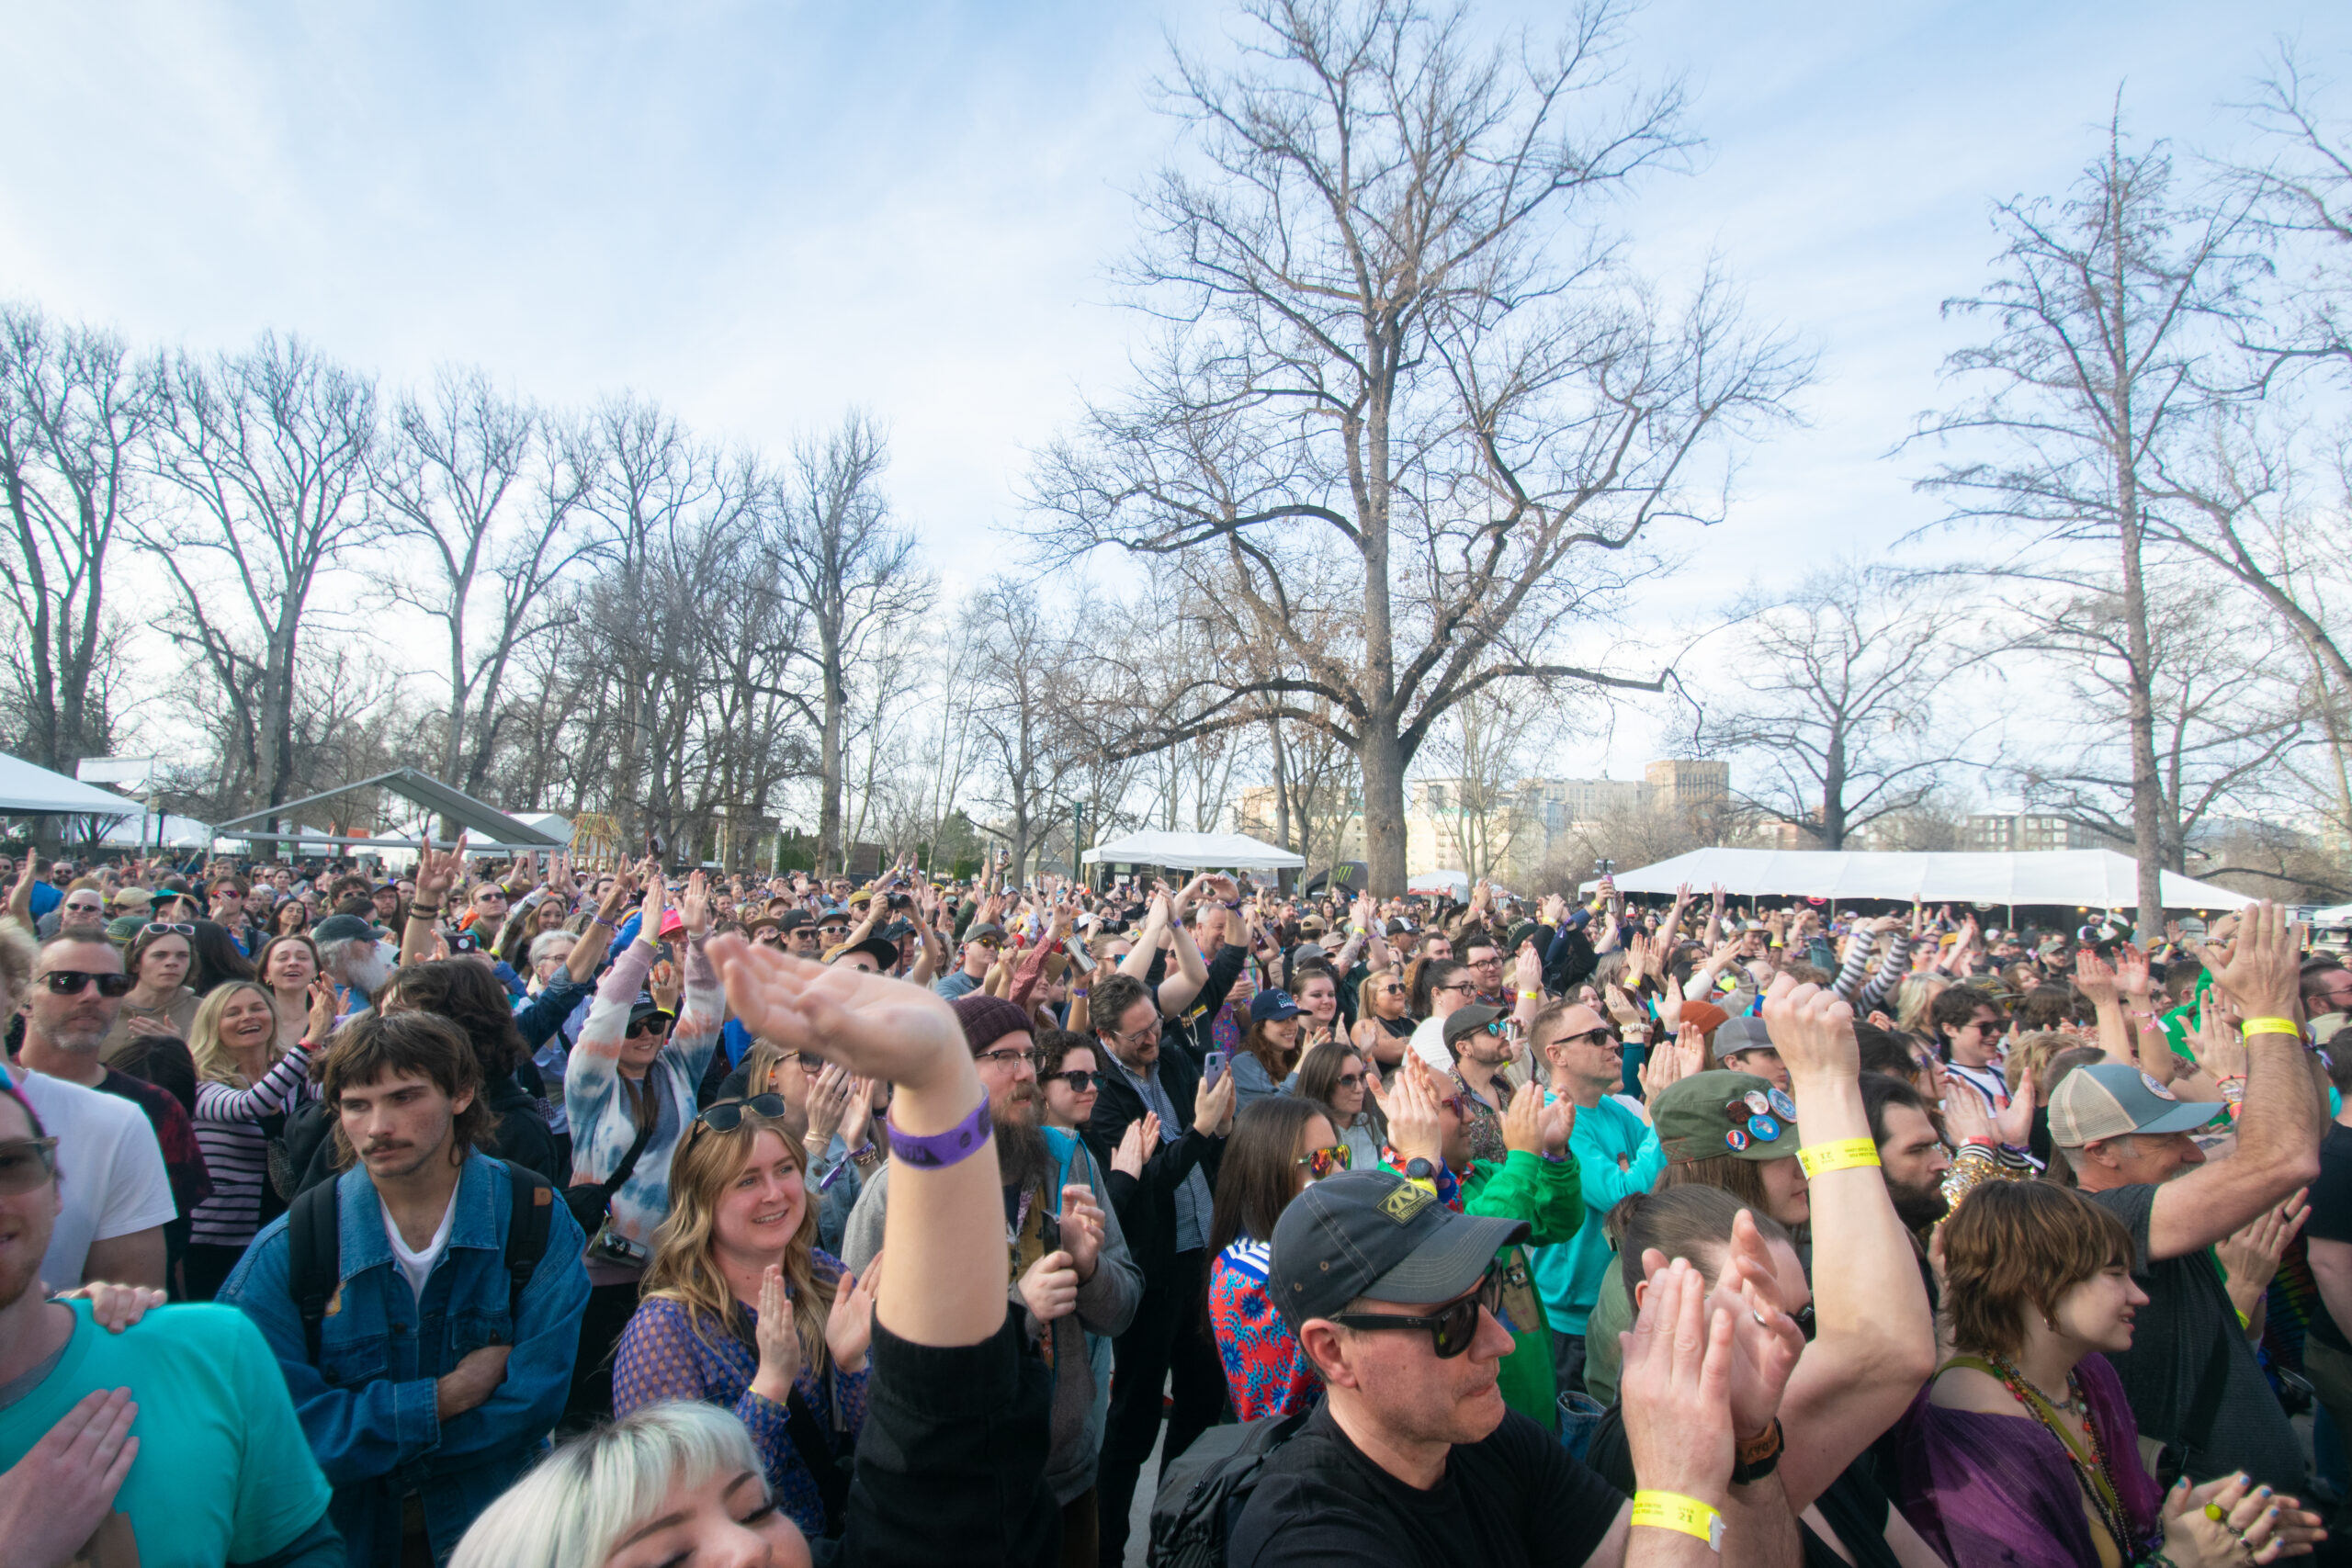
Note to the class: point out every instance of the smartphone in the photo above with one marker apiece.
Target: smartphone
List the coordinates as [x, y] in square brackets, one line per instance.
[1213, 1069]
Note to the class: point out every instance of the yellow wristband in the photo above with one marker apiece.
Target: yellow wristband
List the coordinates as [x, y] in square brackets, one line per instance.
[2270, 1026]
[1673, 1511]
[1844, 1154]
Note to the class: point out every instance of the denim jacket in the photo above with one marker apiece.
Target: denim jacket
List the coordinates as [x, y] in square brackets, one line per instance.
[369, 1407]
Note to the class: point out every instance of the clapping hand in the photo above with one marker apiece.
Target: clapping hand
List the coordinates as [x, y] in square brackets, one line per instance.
[1136, 1144]
[1082, 1229]
[849, 1326]
[1675, 1385]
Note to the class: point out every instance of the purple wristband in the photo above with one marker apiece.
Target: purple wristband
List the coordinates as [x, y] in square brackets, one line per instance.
[940, 1150]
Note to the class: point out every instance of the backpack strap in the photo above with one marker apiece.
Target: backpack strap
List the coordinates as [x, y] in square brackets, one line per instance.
[526, 1231]
[313, 1258]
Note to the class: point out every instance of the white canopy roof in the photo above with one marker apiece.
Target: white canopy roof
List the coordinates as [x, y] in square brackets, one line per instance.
[141, 831]
[1453, 883]
[1237, 852]
[2094, 879]
[29, 790]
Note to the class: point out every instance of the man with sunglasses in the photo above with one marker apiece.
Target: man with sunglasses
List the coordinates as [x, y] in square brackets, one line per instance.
[221, 1472]
[1617, 1153]
[1478, 1038]
[83, 914]
[798, 933]
[118, 1196]
[1413, 1459]
[981, 945]
[1071, 1273]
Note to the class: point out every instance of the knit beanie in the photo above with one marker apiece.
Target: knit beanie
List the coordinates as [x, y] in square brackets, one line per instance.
[988, 1020]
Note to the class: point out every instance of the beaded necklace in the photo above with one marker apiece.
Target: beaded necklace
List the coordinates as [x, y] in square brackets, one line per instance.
[2093, 1476]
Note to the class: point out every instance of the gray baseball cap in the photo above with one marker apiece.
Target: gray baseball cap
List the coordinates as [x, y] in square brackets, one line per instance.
[2111, 1100]
[1372, 1234]
[1742, 1034]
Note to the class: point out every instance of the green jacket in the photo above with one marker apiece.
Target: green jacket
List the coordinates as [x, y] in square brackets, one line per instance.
[1549, 1195]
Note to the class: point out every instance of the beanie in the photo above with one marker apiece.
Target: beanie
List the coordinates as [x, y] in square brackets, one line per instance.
[988, 1020]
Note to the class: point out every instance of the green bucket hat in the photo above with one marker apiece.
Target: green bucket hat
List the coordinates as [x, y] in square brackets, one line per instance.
[1737, 1114]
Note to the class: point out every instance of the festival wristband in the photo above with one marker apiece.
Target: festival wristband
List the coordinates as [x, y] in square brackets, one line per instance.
[2270, 1026]
[936, 1151]
[1844, 1154]
[1673, 1511]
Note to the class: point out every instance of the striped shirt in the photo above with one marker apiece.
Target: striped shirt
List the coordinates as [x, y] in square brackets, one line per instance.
[236, 1149]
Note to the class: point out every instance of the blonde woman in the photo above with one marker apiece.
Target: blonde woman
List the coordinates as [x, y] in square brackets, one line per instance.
[742, 1310]
[246, 1084]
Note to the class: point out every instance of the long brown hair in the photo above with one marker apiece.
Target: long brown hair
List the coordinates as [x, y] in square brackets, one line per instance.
[1277, 1062]
[686, 1266]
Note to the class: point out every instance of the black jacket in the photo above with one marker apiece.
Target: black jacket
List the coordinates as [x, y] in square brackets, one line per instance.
[1152, 1238]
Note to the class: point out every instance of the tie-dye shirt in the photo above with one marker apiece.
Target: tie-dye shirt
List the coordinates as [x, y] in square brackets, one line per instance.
[604, 1119]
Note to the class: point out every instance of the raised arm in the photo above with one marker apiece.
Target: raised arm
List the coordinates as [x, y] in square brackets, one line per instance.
[2281, 1118]
[436, 879]
[1137, 962]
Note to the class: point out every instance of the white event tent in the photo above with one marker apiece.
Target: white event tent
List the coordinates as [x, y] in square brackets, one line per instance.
[28, 790]
[2087, 879]
[1193, 851]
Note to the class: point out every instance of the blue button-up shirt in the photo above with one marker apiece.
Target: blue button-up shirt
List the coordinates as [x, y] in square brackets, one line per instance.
[369, 1407]
[1194, 1202]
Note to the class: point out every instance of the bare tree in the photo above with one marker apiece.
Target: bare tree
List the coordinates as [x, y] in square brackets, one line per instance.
[2300, 199]
[852, 573]
[492, 496]
[1479, 804]
[2112, 312]
[1830, 700]
[1020, 714]
[270, 452]
[1396, 329]
[74, 411]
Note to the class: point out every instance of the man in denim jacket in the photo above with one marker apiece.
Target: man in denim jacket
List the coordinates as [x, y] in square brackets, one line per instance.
[427, 1398]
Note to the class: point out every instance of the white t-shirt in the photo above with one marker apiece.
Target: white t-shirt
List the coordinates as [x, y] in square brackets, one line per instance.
[1990, 1083]
[110, 1179]
[418, 1265]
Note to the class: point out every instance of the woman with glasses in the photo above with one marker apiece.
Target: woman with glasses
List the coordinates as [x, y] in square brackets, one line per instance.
[742, 1310]
[160, 1006]
[286, 965]
[1333, 1076]
[1277, 1146]
[1067, 1074]
[247, 1085]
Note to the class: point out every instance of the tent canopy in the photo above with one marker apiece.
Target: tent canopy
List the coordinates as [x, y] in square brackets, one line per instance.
[26, 790]
[487, 827]
[1193, 851]
[2092, 879]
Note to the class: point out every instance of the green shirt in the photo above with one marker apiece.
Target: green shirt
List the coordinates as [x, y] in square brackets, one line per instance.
[224, 1473]
[1549, 1195]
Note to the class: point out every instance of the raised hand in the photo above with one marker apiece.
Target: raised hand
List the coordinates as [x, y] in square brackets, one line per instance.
[438, 871]
[1082, 1229]
[1136, 1144]
[1675, 1385]
[1411, 1106]
[849, 1326]
[777, 1339]
[829, 1097]
[2263, 968]
[694, 907]
[1813, 1027]
[321, 1023]
[1523, 1119]
[875, 1026]
[2250, 1255]
[2094, 978]
[2015, 1123]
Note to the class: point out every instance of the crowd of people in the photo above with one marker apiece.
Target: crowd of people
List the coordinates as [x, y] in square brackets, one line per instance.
[515, 1215]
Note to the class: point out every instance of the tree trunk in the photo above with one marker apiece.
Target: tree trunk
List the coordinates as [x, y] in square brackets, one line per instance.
[2147, 803]
[1832, 792]
[1382, 760]
[830, 850]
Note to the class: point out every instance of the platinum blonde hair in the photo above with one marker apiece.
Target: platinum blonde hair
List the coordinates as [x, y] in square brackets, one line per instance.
[574, 1507]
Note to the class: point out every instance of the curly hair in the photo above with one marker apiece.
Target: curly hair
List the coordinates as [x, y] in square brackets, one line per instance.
[468, 995]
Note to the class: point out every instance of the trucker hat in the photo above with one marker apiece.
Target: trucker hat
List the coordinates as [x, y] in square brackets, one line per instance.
[1373, 1236]
[2114, 1100]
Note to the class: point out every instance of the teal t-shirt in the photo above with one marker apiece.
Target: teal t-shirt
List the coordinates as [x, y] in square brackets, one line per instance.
[223, 1474]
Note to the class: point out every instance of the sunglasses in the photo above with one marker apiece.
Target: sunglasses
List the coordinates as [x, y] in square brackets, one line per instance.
[1450, 1328]
[168, 927]
[27, 1163]
[1455, 1103]
[652, 1024]
[1079, 1080]
[69, 982]
[728, 1114]
[1321, 1163]
[1351, 1081]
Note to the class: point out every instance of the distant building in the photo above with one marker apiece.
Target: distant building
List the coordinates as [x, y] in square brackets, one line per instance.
[1990, 833]
[1684, 783]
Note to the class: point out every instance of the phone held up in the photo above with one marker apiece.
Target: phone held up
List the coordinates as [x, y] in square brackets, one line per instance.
[1212, 1069]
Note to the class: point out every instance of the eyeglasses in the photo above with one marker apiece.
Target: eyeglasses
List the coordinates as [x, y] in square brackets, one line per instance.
[1392, 990]
[1452, 985]
[86, 908]
[1138, 1036]
[1351, 1081]
[728, 1114]
[1321, 1163]
[1450, 1328]
[1008, 1060]
[69, 982]
[168, 927]
[1079, 1080]
[27, 1163]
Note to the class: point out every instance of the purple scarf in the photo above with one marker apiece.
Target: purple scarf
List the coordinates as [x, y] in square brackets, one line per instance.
[1988, 1490]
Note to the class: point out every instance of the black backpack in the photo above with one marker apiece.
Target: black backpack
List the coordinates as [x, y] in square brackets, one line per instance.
[314, 1246]
[1206, 1488]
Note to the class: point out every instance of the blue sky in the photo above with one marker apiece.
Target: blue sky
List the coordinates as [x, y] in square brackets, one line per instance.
[761, 214]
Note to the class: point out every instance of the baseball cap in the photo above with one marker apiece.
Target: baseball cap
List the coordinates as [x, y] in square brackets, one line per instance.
[1695, 1120]
[1370, 1234]
[1269, 1007]
[986, 928]
[791, 920]
[884, 954]
[132, 897]
[1469, 1021]
[2114, 1100]
[1742, 1034]
[645, 1007]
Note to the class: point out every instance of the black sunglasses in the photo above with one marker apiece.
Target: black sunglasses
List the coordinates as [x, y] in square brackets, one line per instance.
[1450, 1328]
[652, 1023]
[69, 982]
[1079, 1080]
[728, 1114]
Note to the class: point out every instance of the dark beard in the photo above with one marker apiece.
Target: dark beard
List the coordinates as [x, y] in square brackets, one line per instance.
[1918, 1209]
[1021, 1158]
